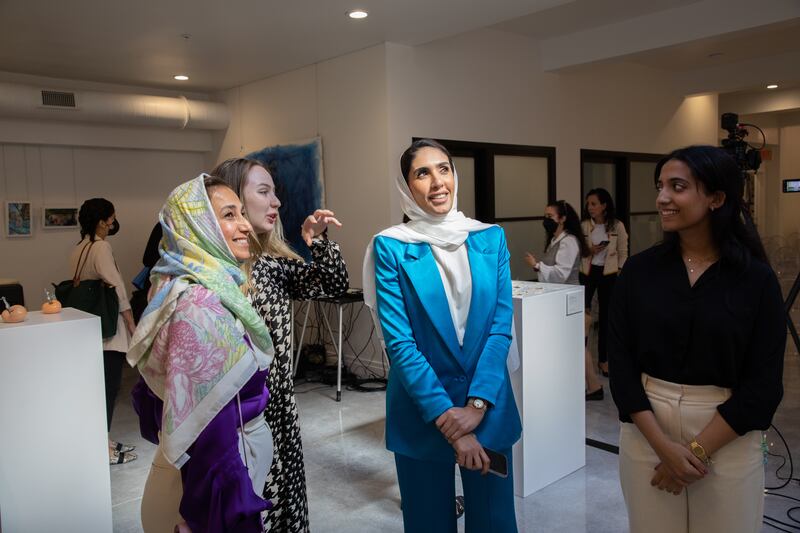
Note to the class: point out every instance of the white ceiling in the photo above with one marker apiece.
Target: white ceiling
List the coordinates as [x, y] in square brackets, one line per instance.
[581, 15]
[232, 42]
[770, 40]
[237, 41]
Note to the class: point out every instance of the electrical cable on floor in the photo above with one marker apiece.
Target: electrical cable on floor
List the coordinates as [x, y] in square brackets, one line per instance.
[788, 479]
[371, 380]
[776, 527]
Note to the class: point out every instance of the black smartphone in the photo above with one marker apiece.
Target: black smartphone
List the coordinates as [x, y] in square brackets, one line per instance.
[498, 463]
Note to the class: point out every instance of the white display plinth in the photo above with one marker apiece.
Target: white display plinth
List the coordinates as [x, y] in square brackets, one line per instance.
[549, 384]
[54, 472]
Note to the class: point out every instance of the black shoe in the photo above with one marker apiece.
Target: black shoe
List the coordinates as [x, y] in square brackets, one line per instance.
[459, 507]
[596, 395]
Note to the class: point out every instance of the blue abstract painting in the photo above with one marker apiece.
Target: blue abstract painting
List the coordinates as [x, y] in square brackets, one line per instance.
[297, 171]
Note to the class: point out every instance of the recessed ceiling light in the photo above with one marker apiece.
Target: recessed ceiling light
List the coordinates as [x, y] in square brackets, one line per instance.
[772, 86]
[357, 14]
[181, 77]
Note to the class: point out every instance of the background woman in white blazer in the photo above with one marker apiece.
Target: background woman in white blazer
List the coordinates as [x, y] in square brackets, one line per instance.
[608, 243]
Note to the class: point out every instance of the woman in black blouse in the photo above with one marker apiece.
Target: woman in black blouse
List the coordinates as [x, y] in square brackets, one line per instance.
[697, 337]
[277, 278]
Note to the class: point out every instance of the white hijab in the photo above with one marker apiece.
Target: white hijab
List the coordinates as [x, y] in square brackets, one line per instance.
[446, 231]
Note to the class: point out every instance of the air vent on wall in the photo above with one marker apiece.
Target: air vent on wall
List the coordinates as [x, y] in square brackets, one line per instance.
[58, 99]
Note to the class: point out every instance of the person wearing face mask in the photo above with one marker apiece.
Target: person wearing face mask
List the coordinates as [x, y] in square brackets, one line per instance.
[279, 276]
[561, 264]
[565, 247]
[98, 220]
[203, 354]
[441, 287]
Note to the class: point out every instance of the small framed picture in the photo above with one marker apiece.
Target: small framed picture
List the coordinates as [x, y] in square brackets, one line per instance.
[59, 217]
[18, 219]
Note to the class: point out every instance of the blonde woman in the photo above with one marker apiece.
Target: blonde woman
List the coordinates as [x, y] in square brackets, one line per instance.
[277, 278]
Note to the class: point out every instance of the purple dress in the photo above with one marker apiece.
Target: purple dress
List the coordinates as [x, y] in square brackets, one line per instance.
[217, 492]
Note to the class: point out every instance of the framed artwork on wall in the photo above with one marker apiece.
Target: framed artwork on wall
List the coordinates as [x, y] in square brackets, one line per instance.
[18, 219]
[59, 217]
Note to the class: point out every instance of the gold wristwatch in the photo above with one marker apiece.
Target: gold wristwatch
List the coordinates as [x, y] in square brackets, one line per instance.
[700, 452]
[477, 403]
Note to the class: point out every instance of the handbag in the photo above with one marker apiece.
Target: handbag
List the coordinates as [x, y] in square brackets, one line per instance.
[90, 295]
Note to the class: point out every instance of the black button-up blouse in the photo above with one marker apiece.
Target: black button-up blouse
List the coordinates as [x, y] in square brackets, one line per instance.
[728, 330]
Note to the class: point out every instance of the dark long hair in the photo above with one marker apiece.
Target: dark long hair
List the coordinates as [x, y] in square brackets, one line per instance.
[604, 197]
[91, 213]
[408, 156]
[572, 225]
[732, 228]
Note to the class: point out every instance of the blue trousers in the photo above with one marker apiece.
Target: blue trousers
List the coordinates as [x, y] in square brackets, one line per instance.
[428, 491]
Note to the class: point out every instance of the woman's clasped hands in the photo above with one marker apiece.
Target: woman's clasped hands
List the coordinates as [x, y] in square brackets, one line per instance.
[678, 468]
[456, 425]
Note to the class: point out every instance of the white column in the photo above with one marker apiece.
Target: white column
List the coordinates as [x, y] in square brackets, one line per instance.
[549, 384]
[54, 472]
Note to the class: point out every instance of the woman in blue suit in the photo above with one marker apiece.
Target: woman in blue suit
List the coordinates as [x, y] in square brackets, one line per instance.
[442, 291]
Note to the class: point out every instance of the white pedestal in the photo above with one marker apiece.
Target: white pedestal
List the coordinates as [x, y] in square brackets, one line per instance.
[54, 473]
[549, 384]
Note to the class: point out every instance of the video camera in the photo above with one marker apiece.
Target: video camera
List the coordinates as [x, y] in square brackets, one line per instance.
[747, 157]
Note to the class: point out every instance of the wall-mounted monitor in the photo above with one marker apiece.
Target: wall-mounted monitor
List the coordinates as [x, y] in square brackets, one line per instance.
[791, 185]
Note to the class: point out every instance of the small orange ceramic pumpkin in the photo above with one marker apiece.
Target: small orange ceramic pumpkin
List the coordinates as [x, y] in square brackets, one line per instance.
[16, 313]
[52, 307]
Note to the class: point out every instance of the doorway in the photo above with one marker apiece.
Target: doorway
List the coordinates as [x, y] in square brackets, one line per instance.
[508, 185]
[628, 176]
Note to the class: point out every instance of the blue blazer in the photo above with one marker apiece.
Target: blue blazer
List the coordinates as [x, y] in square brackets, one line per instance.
[430, 372]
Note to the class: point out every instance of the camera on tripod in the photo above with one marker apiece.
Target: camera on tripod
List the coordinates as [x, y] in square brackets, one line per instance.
[747, 157]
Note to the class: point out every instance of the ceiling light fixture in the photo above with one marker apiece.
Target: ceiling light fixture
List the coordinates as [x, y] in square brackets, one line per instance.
[181, 77]
[772, 86]
[357, 14]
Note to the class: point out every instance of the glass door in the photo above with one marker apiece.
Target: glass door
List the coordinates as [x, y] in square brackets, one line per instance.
[644, 224]
[520, 196]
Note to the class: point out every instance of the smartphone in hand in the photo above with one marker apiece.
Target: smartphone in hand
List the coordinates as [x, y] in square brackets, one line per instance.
[498, 463]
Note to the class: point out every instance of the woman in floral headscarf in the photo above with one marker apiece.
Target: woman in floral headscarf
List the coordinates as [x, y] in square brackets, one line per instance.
[203, 353]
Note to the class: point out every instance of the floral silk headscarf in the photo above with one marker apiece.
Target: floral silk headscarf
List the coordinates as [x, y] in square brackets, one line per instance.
[199, 340]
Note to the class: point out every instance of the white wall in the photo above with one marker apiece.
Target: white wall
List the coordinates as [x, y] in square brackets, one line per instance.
[343, 100]
[58, 163]
[780, 212]
[135, 181]
[789, 203]
[489, 86]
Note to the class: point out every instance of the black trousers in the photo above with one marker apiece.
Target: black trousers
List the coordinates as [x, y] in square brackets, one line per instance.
[112, 367]
[604, 285]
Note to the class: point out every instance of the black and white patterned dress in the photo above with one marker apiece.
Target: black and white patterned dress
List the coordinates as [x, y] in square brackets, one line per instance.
[276, 282]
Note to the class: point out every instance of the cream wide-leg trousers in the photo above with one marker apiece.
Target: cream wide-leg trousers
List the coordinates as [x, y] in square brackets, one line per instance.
[730, 499]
